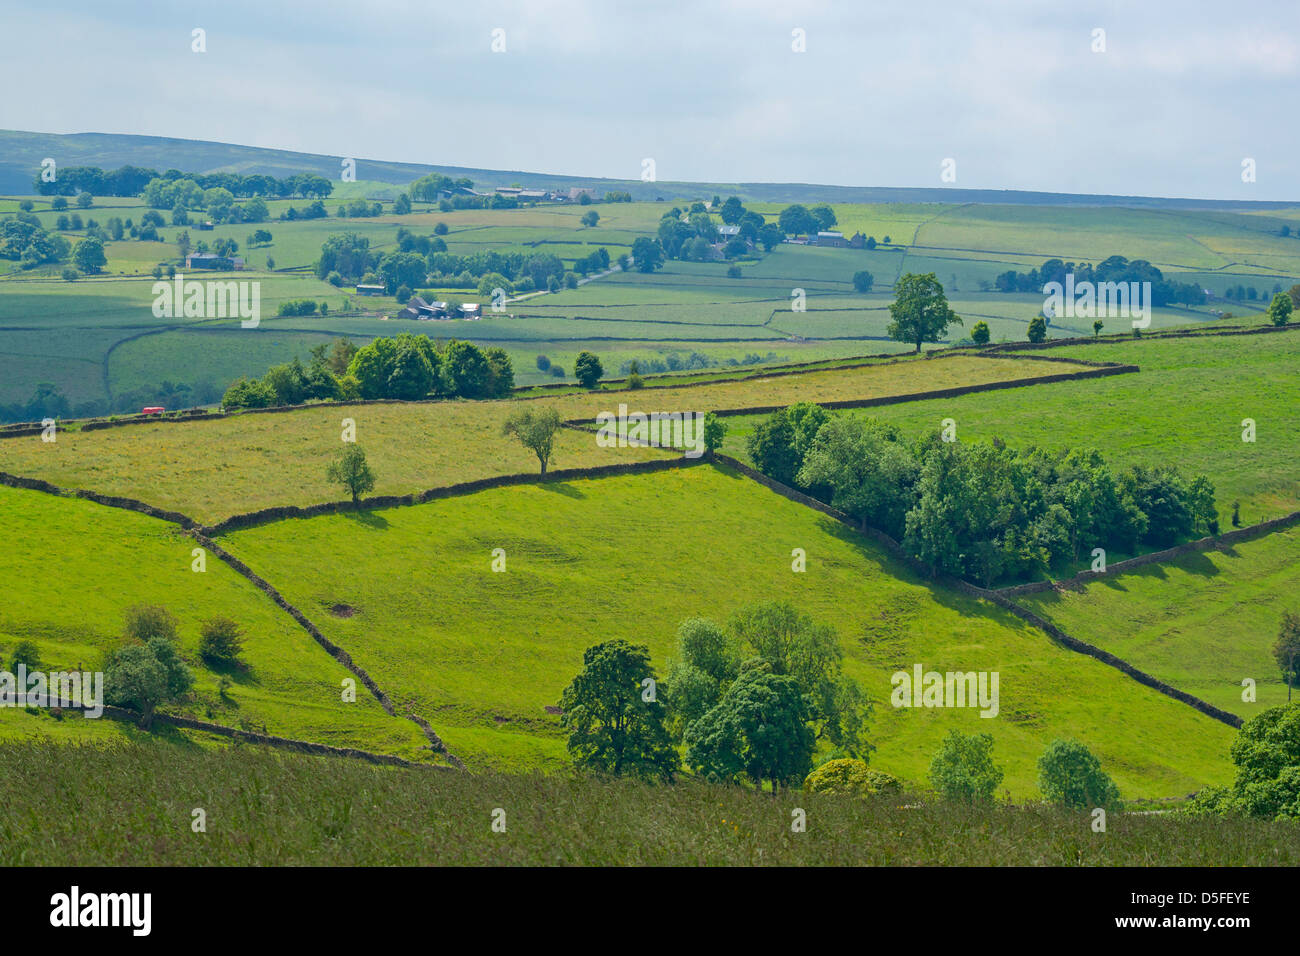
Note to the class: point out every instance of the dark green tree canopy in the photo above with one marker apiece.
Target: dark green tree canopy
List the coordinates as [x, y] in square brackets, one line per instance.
[612, 727]
[920, 310]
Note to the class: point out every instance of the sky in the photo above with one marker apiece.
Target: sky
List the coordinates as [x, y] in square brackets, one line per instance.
[1016, 93]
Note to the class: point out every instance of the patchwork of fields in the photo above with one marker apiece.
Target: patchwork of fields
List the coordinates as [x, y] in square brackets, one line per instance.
[483, 654]
[83, 565]
[1204, 623]
[97, 339]
[1185, 408]
[213, 469]
[410, 593]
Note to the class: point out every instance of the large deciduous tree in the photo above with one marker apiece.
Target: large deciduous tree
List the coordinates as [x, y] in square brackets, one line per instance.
[613, 727]
[920, 310]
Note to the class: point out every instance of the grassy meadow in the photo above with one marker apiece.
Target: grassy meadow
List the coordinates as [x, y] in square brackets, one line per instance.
[268, 809]
[483, 655]
[213, 469]
[1184, 408]
[113, 345]
[1203, 622]
[85, 565]
[410, 592]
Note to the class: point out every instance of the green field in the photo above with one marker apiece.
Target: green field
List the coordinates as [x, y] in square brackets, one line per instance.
[97, 340]
[213, 469]
[410, 593]
[1202, 623]
[1184, 408]
[107, 560]
[483, 654]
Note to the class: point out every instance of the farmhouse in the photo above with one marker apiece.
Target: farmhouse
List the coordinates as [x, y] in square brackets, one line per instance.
[209, 260]
[727, 233]
[418, 308]
[859, 241]
[577, 192]
[470, 310]
[826, 238]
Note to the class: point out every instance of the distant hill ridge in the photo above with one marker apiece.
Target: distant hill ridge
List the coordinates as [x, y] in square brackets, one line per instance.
[21, 153]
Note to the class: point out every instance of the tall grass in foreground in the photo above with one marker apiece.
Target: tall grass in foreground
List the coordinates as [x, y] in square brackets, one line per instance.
[93, 805]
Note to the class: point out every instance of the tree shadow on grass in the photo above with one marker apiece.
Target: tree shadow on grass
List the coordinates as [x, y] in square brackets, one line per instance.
[1198, 563]
[240, 675]
[562, 488]
[874, 552]
[371, 519]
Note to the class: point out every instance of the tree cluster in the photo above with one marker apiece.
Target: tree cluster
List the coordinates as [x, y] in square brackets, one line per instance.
[408, 367]
[980, 511]
[1112, 269]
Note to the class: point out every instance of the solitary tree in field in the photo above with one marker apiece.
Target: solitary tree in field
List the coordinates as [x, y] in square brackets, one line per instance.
[535, 431]
[148, 670]
[920, 310]
[221, 641]
[587, 369]
[979, 333]
[1280, 309]
[590, 217]
[616, 725]
[863, 281]
[1097, 326]
[647, 253]
[350, 470]
[1287, 650]
[1037, 329]
[715, 431]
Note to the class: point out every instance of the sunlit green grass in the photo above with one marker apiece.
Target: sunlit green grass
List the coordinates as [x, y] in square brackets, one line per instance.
[76, 567]
[1185, 408]
[1204, 622]
[213, 469]
[484, 654]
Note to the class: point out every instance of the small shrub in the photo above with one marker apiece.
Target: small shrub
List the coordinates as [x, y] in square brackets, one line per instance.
[849, 776]
[221, 641]
[27, 654]
[1070, 775]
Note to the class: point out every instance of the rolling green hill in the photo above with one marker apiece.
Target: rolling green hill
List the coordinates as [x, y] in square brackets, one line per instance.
[484, 654]
[87, 564]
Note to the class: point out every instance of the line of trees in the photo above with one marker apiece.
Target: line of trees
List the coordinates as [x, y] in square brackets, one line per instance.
[132, 181]
[980, 511]
[48, 401]
[424, 260]
[753, 701]
[407, 366]
[1111, 269]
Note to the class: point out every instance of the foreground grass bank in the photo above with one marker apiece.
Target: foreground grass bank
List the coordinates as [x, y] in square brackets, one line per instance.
[277, 809]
